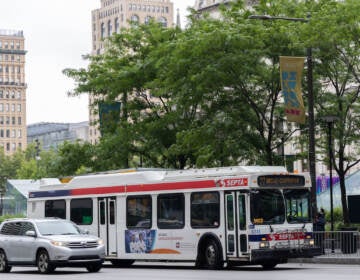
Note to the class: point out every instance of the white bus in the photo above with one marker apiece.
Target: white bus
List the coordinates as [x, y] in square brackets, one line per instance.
[234, 215]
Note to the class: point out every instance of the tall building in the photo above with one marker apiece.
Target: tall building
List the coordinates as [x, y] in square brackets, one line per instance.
[12, 91]
[111, 17]
[51, 135]
[212, 6]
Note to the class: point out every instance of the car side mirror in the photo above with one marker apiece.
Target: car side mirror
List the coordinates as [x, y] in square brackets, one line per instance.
[30, 233]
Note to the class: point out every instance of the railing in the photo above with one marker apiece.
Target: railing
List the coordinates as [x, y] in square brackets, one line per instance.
[338, 243]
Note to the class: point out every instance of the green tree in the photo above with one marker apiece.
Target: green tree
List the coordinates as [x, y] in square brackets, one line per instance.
[335, 32]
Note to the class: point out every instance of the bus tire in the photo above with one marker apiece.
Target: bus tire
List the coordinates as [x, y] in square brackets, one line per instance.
[210, 256]
[122, 263]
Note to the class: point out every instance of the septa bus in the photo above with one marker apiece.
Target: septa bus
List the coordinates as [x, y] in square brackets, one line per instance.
[234, 215]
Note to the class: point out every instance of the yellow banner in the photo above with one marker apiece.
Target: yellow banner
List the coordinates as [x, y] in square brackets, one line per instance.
[290, 75]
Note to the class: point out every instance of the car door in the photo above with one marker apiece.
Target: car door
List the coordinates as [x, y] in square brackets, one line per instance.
[10, 234]
[27, 243]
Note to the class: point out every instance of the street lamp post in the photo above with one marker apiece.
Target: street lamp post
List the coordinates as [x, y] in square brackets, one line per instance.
[330, 121]
[310, 99]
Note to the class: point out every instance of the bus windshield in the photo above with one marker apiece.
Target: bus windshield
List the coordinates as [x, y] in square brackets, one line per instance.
[297, 206]
[267, 207]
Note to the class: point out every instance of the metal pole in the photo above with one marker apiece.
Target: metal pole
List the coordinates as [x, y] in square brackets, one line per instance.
[331, 187]
[312, 157]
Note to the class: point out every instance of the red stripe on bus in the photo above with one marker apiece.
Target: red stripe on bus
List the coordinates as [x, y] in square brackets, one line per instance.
[171, 186]
[146, 187]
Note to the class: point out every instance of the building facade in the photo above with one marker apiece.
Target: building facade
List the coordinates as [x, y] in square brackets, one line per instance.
[51, 135]
[12, 91]
[111, 17]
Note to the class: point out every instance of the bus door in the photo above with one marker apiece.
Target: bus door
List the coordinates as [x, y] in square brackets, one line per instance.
[236, 235]
[107, 223]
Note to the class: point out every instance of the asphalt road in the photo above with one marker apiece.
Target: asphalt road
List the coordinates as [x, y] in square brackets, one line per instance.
[291, 271]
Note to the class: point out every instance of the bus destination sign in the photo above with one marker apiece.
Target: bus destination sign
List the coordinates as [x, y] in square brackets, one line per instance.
[281, 181]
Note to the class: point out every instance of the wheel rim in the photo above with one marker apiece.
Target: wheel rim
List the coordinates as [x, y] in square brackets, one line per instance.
[43, 262]
[2, 261]
[210, 255]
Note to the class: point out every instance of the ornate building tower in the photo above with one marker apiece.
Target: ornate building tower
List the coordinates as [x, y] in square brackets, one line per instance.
[12, 91]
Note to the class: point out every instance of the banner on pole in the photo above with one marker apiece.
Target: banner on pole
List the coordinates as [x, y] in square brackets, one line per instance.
[290, 76]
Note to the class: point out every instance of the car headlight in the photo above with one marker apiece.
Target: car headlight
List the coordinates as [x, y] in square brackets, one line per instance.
[100, 242]
[58, 243]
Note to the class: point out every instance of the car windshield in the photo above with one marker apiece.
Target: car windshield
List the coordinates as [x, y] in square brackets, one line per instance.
[57, 227]
[297, 206]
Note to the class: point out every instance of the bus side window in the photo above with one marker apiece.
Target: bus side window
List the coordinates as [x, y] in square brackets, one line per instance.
[205, 210]
[55, 208]
[170, 211]
[138, 211]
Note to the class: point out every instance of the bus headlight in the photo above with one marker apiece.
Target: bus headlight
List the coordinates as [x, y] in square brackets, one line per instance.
[309, 242]
[264, 244]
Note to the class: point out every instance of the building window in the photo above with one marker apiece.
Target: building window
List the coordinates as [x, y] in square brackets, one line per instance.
[102, 31]
[163, 21]
[148, 19]
[19, 133]
[13, 120]
[117, 25]
[134, 19]
[109, 26]
[19, 107]
[19, 120]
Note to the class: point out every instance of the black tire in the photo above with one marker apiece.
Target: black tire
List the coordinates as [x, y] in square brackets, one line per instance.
[211, 256]
[4, 267]
[43, 262]
[94, 267]
[122, 263]
[269, 265]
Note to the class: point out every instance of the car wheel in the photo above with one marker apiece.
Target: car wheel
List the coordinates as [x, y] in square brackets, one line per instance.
[43, 262]
[94, 267]
[4, 267]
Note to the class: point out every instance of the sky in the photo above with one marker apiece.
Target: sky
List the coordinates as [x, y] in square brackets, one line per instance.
[57, 34]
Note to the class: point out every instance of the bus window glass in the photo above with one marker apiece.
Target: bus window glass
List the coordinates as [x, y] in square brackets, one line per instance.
[81, 211]
[267, 207]
[242, 213]
[230, 211]
[112, 212]
[102, 212]
[138, 212]
[205, 210]
[171, 212]
[297, 206]
[55, 208]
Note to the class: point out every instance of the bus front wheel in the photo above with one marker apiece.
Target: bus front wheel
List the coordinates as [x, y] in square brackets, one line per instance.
[211, 256]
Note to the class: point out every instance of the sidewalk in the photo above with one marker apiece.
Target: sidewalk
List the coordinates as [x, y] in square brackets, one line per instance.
[331, 258]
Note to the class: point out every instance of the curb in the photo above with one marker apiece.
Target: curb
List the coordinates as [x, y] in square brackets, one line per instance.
[325, 260]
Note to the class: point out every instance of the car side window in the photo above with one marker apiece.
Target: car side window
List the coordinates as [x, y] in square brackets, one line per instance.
[26, 226]
[12, 228]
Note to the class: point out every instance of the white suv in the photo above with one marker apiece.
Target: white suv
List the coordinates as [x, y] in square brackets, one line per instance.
[47, 244]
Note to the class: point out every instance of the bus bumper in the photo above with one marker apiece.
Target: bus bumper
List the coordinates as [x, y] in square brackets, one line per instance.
[283, 254]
